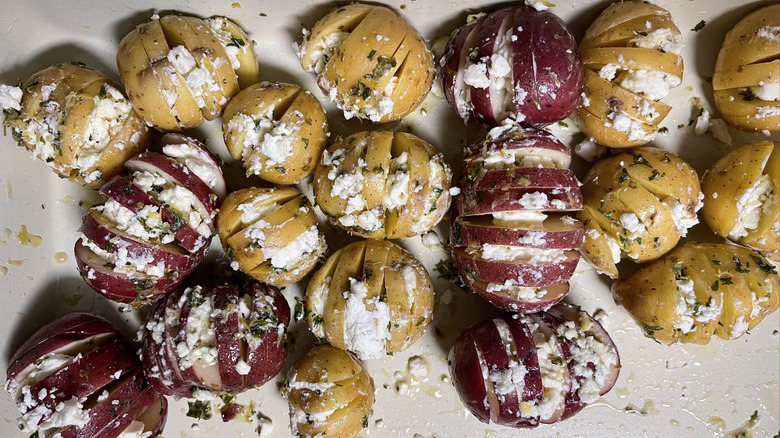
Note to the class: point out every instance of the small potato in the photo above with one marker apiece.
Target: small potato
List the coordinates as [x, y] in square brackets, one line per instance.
[700, 289]
[741, 197]
[371, 297]
[369, 61]
[270, 234]
[180, 70]
[746, 82]
[330, 394]
[632, 59]
[637, 204]
[383, 185]
[278, 130]
[76, 120]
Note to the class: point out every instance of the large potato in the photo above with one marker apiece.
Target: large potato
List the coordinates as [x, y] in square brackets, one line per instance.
[700, 289]
[278, 130]
[637, 204]
[270, 234]
[632, 59]
[516, 63]
[330, 393]
[180, 70]
[76, 120]
[369, 61]
[741, 197]
[746, 82]
[383, 185]
[371, 297]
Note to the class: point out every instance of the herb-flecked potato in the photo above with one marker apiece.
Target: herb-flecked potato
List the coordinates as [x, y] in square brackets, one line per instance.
[637, 204]
[631, 54]
[371, 297]
[700, 289]
[746, 82]
[180, 70]
[383, 185]
[741, 197]
[277, 130]
[270, 234]
[369, 61]
[76, 120]
[330, 393]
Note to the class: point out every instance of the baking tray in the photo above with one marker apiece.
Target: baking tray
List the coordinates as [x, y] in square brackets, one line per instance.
[675, 391]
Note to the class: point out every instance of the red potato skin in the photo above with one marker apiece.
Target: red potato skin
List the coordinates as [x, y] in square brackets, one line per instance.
[529, 275]
[453, 53]
[487, 39]
[469, 231]
[530, 178]
[268, 360]
[555, 293]
[226, 331]
[473, 203]
[526, 137]
[572, 403]
[220, 189]
[466, 374]
[162, 356]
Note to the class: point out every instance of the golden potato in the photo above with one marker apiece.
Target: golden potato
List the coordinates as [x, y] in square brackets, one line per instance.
[330, 394]
[383, 185]
[370, 62]
[700, 289]
[278, 130]
[741, 197]
[270, 234]
[76, 120]
[180, 70]
[371, 297]
[746, 83]
[631, 54]
[637, 204]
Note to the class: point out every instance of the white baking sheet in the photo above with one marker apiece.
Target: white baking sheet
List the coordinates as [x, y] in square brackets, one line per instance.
[677, 391]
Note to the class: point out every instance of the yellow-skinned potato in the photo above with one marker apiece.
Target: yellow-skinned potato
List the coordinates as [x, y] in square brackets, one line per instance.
[700, 289]
[278, 130]
[180, 70]
[330, 393]
[746, 82]
[631, 58]
[383, 185]
[637, 204]
[371, 297]
[741, 197]
[370, 62]
[76, 120]
[270, 234]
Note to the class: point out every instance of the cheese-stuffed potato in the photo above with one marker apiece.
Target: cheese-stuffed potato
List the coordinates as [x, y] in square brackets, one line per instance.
[637, 204]
[330, 393]
[383, 185]
[277, 130]
[746, 82]
[700, 289]
[76, 120]
[270, 234]
[180, 70]
[369, 61]
[371, 297]
[741, 197]
[631, 54]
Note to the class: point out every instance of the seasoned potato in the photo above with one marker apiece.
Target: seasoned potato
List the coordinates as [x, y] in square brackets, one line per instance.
[270, 234]
[278, 130]
[637, 204]
[330, 394]
[741, 197]
[746, 82]
[369, 61]
[371, 297]
[700, 289]
[180, 71]
[76, 120]
[632, 59]
[383, 185]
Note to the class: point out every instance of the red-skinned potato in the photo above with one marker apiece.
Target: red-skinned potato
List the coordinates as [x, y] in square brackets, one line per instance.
[520, 371]
[515, 63]
[219, 339]
[76, 377]
[510, 241]
[155, 227]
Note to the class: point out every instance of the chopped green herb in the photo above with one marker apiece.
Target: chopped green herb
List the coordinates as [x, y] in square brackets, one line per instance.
[699, 26]
[317, 319]
[109, 247]
[84, 372]
[141, 286]
[371, 54]
[766, 267]
[198, 409]
[102, 92]
[715, 285]
[641, 33]
[384, 65]
[128, 190]
[300, 312]
[726, 281]
[280, 169]
[361, 90]
[624, 177]
[739, 267]
[716, 262]
[236, 42]
[653, 176]
[639, 160]
[747, 95]
[651, 329]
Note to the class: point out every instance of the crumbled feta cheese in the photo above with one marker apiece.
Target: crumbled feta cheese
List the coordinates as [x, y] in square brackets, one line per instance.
[181, 59]
[766, 91]
[624, 123]
[242, 367]
[749, 207]
[589, 151]
[771, 33]
[662, 39]
[608, 72]
[10, 98]
[702, 123]
[763, 112]
[365, 331]
[196, 160]
[680, 216]
[652, 84]
[523, 254]
[476, 76]
[539, 5]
